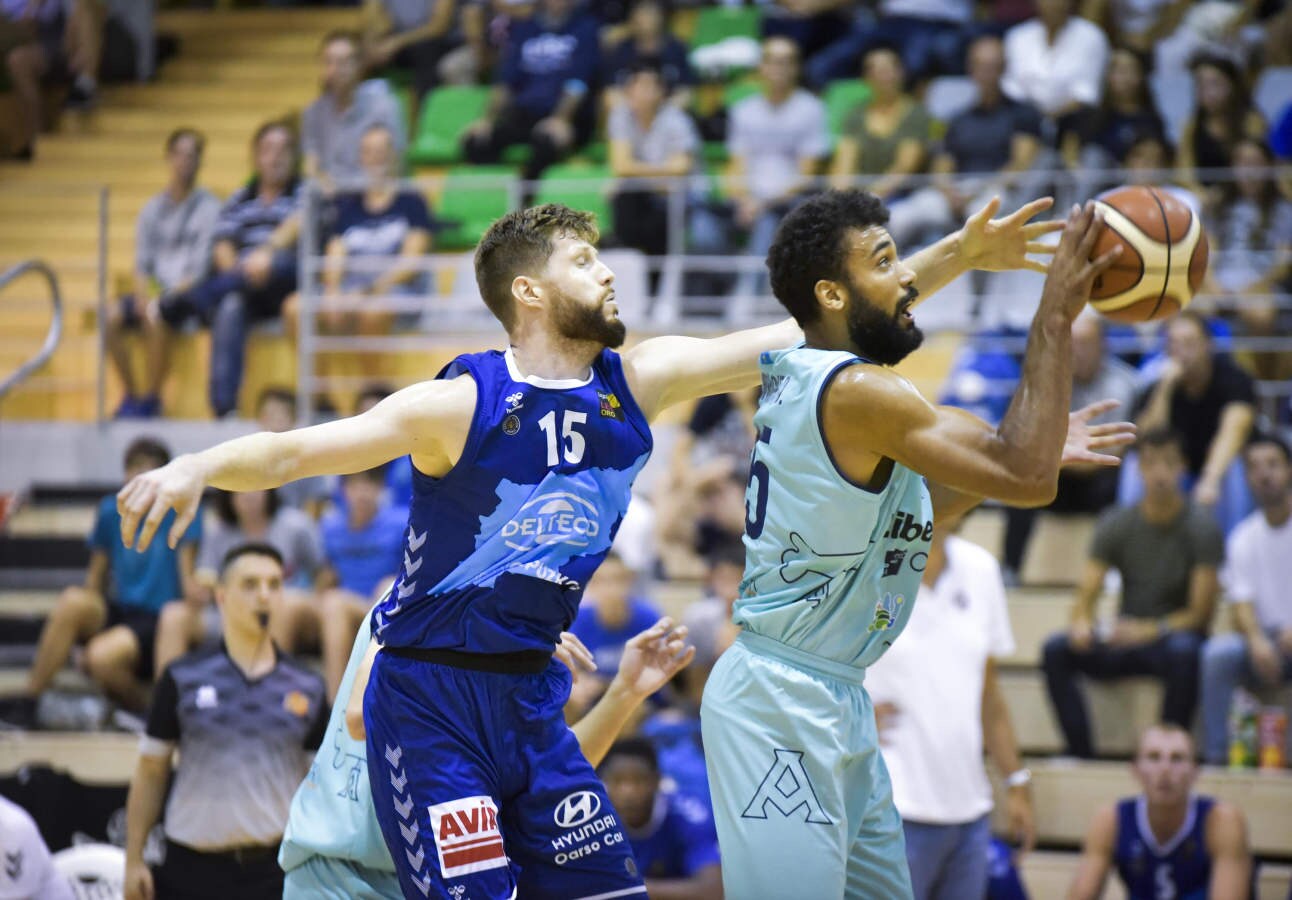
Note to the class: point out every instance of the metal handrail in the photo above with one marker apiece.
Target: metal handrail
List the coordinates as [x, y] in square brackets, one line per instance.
[55, 332]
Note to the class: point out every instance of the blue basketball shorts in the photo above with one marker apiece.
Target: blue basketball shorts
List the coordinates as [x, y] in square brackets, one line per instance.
[481, 789]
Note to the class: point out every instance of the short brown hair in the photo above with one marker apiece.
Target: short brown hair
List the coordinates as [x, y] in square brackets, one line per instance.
[520, 243]
[350, 37]
[180, 133]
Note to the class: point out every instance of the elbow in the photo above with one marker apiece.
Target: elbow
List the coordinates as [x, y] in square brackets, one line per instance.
[1034, 490]
[354, 723]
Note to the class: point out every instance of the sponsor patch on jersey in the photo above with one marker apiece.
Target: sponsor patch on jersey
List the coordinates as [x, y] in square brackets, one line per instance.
[611, 408]
[467, 838]
[297, 704]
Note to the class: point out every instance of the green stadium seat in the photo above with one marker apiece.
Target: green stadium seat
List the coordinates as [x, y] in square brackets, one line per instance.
[739, 90]
[446, 112]
[841, 98]
[580, 187]
[472, 203]
[717, 23]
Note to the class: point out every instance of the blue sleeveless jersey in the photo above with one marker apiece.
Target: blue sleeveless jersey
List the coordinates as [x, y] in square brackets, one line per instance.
[1177, 870]
[498, 550]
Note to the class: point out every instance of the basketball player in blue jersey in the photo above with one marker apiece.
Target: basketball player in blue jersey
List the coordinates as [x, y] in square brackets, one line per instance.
[850, 469]
[523, 464]
[1168, 843]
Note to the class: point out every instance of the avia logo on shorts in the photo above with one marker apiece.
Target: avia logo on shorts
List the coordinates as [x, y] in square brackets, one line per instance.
[787, 789]
[576, 809]
[467, 838]
[558, 517]
[907, 528]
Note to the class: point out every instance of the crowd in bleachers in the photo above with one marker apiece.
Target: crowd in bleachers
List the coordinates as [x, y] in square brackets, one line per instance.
[939, 105]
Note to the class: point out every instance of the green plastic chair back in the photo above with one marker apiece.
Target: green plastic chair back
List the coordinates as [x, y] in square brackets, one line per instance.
[841, 98]
[446, 112]
[579, 187]
[473, 203]
[717, 23]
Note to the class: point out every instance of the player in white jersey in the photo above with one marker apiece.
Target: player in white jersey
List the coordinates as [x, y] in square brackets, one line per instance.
[851, 467]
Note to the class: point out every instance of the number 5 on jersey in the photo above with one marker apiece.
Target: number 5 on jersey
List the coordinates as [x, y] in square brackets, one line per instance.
[758, 472]
[574, 442]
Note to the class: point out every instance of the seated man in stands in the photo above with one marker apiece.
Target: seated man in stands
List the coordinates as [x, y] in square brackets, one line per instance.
[413, 36]
[672, 834]
[172, 254]
[115, 612]
[612, 614]
[547, 79]
[347, 107]
[1167, 551]
[1258, 571]
[1167, 842]
[1056, 61]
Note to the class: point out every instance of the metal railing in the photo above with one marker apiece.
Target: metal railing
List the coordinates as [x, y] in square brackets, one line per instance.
[55, 332]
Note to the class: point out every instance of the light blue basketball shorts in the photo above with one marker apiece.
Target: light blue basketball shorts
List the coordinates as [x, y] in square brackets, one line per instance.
[325, 878]
[801, 796]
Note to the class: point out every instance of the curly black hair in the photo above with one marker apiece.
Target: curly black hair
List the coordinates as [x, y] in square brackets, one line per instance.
[809, 246]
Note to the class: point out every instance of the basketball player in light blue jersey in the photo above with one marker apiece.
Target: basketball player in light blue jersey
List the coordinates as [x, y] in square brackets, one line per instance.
[850, 469]
[523, 462]
[333, 849]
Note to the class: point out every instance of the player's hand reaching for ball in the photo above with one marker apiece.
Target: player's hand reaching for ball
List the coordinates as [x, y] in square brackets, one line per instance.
[1001, 245]
[1073, 272]
[147, 498]
[653, 657]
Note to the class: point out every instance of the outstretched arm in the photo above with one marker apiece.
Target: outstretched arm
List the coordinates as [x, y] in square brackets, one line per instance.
[428, 420]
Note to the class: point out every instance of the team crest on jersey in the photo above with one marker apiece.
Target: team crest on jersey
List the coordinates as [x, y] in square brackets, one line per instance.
[886, 611]
[611, 408]
[511, 425]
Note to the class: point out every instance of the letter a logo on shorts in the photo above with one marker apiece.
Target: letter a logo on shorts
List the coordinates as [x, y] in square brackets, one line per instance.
[788, 790]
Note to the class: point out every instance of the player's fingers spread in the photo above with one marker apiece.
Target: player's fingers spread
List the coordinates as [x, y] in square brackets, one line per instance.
[1098, 266]
[1030, 210]
[1049, 226]
[1036, 265]
[1098, 408]
[1039, 247]
[985, 214]
[685, 659]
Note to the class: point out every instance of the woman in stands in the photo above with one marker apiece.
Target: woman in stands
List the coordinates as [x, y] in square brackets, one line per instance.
[1223, 115]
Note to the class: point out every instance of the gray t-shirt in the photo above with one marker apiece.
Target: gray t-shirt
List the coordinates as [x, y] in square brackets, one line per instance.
[774, 141]
[1114, 381]
[1156, 561]
[670, 132]
[405, 15]
[333, 134]
[173, 240]
[292, 533]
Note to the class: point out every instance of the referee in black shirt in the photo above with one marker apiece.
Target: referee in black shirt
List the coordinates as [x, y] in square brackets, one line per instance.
[246, 719]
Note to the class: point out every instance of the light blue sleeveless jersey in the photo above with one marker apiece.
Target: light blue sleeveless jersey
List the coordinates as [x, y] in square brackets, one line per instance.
[831, 568]
[331, 814]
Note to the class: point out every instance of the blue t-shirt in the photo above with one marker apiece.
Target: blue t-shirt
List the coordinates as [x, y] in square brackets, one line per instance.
[399, 486]
[607, 644]
[361, 559]
[144, 580]
[671, 59]
[541, 57]
[368, 233]
[676, 737]
[679, 840]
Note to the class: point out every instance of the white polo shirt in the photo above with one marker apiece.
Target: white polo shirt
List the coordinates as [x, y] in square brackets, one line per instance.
[26, 870]
[1049, 76]
[1258, 569]
[934, 674]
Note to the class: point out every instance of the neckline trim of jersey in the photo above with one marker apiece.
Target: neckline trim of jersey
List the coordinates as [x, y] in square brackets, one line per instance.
[558, 384]
[1146, 830]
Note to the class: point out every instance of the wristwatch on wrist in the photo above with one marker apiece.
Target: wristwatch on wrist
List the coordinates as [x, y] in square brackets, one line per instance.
[1019, 779]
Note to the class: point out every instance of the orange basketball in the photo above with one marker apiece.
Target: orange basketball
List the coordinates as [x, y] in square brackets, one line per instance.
[1164, 254]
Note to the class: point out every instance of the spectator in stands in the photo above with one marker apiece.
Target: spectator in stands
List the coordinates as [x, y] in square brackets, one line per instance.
[1096, 375]
[777, 140]
[173, 238]
[887, 135]
[227, 808]
[115, 612]
[1055, 61]
[987, 151]
[938, 705]
[254, 262]
[1101, 136]
[612, 614]
[810, 24]
[649, 42]
[672, 835]
[334, 125]
[1258, 570]
[44, 38]
[28, 871]
[1205, 397]
[380, 235]
[409, 34]
[241, 518]
[648, 138]
[930, 35]
[708, 620]
[1223, 114]
[1167, 552]
[1168, 839]
[363, 546]
[1251, 239]
[485, 27]
[1137, 25]
[543, 98]
[276, 412]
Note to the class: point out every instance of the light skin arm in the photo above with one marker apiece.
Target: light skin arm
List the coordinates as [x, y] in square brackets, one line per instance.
[1236, 421]
[906, 161]
[1157, 411]
[224, 256]
[1231, 858]
[354, 704]
[844, 165]
[1096, 857]
[417, 243]
[96, 573]
[1082, 623]
[429, 420]
[1204, 588]
[334, 266]
[1266, 660]
[1002, 746]
[143, 809]
[705, 884]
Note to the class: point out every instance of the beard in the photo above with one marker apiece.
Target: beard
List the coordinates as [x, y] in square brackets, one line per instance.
[581, 322]
[880, 337]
